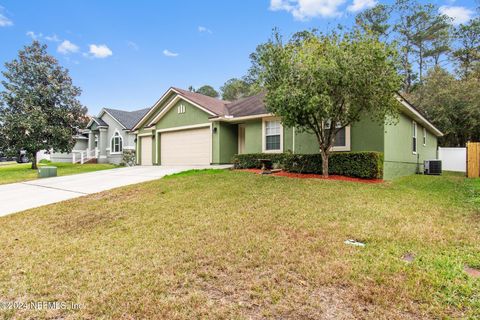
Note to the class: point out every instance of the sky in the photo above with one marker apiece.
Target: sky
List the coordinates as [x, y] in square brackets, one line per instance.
[126, 54]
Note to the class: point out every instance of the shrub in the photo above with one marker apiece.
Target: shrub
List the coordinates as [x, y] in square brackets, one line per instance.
[45, 161]
[128, 158]
[250, 160]
[368, 165]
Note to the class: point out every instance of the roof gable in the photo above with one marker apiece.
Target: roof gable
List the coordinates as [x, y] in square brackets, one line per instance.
[98, 121]
[127, 119]
[212, 106]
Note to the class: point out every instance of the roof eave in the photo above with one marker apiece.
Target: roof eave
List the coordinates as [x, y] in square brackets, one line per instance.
[414, 114]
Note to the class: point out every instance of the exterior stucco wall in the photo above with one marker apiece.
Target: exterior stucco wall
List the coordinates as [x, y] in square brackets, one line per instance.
[228, 142]
[253, 136]
[128, 139]
[399, 157]
[365, 136]
[192, 116]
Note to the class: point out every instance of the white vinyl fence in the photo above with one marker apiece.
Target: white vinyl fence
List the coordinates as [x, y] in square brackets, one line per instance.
[453, 159]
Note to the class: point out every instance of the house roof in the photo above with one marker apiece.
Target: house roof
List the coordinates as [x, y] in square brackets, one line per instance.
[247, 106]
[254, 106]
[127, 119]
[99, 122]
[214, 105]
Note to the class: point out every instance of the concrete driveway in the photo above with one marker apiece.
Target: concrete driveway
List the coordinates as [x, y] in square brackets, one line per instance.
[21, 196]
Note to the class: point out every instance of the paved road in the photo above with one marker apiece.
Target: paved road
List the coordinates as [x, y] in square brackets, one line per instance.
[21, 196]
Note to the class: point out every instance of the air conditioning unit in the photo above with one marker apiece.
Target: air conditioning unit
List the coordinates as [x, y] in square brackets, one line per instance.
[432, 167]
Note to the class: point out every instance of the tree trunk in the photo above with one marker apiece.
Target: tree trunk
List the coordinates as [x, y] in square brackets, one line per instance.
[324, 163]
[34, 161]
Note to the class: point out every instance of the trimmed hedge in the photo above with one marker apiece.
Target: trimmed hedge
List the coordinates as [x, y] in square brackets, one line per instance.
[367, 165]
[250, 160]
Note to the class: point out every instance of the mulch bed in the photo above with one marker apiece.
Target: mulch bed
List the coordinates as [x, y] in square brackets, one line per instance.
[314, 176]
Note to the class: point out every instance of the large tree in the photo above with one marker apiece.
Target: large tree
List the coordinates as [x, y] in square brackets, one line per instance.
[452, 104]
[468, 52]
[235, 89]
[323, 83]
[423, 34]
[206, 90]
[39, 109]
[375, 20]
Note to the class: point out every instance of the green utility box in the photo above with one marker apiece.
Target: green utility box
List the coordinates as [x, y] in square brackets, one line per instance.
[46, 172]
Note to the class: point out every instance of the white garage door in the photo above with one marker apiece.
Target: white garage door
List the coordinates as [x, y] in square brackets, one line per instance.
[146, 151]
[186, 147]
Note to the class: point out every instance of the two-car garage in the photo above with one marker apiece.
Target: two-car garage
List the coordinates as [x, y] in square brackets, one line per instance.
[181, 147]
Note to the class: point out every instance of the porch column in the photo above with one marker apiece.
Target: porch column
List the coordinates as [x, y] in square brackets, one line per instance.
[102, 145]
[91, 141]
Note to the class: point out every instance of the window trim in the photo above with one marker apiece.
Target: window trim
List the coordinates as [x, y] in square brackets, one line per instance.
[414, 138]
[424, 137]
[120, 144]
[347, 146]
[264, 135]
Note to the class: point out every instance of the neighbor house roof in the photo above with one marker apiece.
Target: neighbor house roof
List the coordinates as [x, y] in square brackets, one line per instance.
[127, 119]
[99, 122]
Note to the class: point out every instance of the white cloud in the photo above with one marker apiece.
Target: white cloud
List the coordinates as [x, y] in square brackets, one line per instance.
[34, 35]
[53, 38]
[307, 9]
[100, 51]
[67, 47]
[169, 53]
[204, 29]
[133, 45]
[359, 5]
[458, 14]
[4, 21]
[39, 36]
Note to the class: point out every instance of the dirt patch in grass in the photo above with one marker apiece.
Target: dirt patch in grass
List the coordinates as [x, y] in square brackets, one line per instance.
[315, 176]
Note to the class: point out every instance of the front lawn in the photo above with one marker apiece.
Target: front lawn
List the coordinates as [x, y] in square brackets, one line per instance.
[22, 172]
[226, 244]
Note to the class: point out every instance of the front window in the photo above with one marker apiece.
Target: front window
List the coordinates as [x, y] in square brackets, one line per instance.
[414, 137]
[341, 138]
[117, 143]
[272, 135]
[424, 136]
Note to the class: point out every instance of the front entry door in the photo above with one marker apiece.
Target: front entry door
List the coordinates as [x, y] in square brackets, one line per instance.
[241, 139]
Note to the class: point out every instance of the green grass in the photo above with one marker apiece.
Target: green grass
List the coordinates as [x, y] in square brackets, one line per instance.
[236, 245]
[23, 172]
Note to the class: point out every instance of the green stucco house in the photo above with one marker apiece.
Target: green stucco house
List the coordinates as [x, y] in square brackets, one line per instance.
[186, 128]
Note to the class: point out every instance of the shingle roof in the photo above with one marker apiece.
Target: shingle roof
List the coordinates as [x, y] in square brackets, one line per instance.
[214, 105]
[127, 118]
[248, 106]
[100, 122]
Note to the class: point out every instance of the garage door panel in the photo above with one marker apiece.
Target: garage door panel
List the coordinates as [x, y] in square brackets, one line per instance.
[186, 147]
[146, 151]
